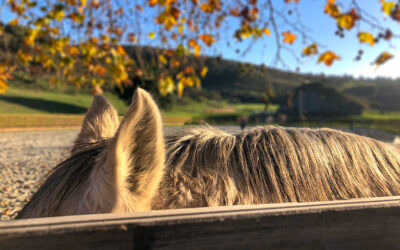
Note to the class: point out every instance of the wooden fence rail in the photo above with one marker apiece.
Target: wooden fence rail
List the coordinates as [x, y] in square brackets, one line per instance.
[352, 224]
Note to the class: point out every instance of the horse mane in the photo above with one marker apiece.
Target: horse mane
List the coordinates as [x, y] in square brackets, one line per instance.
[63, 180]
[208, 167]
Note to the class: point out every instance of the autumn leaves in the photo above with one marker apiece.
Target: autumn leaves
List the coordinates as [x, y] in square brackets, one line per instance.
[83, 38]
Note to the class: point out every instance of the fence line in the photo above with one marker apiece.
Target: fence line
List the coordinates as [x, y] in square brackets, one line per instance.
[10, 121]
[372, 223]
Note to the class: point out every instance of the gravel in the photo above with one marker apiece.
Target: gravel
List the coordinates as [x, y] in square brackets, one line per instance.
[27, 157]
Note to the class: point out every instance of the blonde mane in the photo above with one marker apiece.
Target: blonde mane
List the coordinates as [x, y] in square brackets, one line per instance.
[124, 168]
[208, 167]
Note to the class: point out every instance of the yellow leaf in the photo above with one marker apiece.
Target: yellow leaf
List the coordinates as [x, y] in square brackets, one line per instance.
[72, 50]
[3, 86]
[166, 86]
[383, 58]
[204, 71]
[267, 32]
[387, 7]
[197, 50]
[310, 50]
[345, 21]
[328, 58]
[162, 59]
[180, 88]
[288, 37]
[169, 22]
[83, 3]
[152, 35]
[180, 29]
[59, 15]
[366, 37]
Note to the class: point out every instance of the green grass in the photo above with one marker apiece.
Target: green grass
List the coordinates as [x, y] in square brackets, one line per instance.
[251, 107]
[205, 109]
[18, 100]
[375, 115]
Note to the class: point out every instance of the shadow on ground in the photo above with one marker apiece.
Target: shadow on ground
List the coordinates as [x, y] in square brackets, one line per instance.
[45, 105]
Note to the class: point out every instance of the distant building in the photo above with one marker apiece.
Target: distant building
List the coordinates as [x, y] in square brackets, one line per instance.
[315, 99]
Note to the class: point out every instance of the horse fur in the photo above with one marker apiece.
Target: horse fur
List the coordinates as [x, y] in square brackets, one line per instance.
[132, 167]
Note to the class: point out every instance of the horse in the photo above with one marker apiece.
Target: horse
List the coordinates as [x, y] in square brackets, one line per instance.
[130, 166]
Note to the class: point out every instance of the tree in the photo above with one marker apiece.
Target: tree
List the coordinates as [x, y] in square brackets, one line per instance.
[85, 42]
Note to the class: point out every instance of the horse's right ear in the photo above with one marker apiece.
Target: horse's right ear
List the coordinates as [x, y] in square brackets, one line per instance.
[133, 163]
[100, 122]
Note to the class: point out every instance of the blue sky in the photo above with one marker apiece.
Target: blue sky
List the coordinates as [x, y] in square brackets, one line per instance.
[321, 28]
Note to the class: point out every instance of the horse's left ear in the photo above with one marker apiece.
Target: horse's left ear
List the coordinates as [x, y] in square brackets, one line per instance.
[100, 122]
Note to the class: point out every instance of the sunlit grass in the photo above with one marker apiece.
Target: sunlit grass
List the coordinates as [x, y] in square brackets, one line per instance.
[44, 102]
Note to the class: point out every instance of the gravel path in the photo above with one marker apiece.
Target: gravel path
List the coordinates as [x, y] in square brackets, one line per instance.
[26, 158]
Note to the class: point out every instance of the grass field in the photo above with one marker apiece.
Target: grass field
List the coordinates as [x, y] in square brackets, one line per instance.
[21, 107]
[375, 115]
[25, 101]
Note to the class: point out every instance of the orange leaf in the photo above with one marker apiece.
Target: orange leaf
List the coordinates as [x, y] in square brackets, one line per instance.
[328, 57]
[101, 70]
[383, 58]
[366, 37]
[207, 39]
[189, 70]
[152, 2]
[289, 37]
[310, 50]
[192, 43]
[13, 22]
[267, 32]
[332, 9]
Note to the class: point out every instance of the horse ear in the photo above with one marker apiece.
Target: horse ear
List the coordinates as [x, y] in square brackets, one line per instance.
[135, 158]
[100, 122]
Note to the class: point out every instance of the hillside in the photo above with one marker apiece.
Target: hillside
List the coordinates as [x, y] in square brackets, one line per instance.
[247, 84]
[234, 81]
[241, 82]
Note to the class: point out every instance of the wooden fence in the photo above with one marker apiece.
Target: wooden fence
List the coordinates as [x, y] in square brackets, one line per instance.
[352, 224]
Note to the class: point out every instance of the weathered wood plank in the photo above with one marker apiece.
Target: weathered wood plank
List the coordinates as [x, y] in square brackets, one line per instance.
[352, 224]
